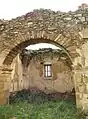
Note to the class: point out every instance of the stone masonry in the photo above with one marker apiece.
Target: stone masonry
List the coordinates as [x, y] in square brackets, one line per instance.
[69, 31]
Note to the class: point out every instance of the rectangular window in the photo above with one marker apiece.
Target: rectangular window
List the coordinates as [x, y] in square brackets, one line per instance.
[47, 70]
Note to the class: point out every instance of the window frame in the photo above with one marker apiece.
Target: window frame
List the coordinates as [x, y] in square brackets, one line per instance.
[47, 73]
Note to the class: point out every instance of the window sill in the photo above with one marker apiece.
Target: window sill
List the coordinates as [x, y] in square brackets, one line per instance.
[48, 78]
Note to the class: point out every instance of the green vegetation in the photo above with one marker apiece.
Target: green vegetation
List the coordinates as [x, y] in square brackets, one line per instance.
[38, 106]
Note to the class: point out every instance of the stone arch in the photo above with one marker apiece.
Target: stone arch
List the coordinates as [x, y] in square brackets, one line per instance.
[64, 29]
[41, 24]
[17, 49]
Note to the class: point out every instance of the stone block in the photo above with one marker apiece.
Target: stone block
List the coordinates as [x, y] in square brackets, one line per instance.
[85, 79]
[85, 106]
[2, 98]
[82, 19]
[87, 87]
[86, 117]
[79, 96]
[85, 97]
[1, 85]
[85, 33]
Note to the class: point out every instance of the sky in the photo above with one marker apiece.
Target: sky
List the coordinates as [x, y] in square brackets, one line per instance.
[13, 8]
[41, 45]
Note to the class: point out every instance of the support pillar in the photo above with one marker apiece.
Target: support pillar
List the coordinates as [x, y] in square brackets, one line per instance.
[81, 88]
[5, 74]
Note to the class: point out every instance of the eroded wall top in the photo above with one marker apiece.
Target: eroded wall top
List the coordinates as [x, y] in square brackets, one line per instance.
[67, 29]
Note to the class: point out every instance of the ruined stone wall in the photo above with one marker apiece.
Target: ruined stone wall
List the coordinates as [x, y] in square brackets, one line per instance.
[16, 75]
[81, 76]
[32, 76]
[69, 30]
[61, 80]
[60, 27]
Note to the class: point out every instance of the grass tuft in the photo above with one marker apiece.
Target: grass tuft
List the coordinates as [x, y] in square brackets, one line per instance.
[39, 106]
